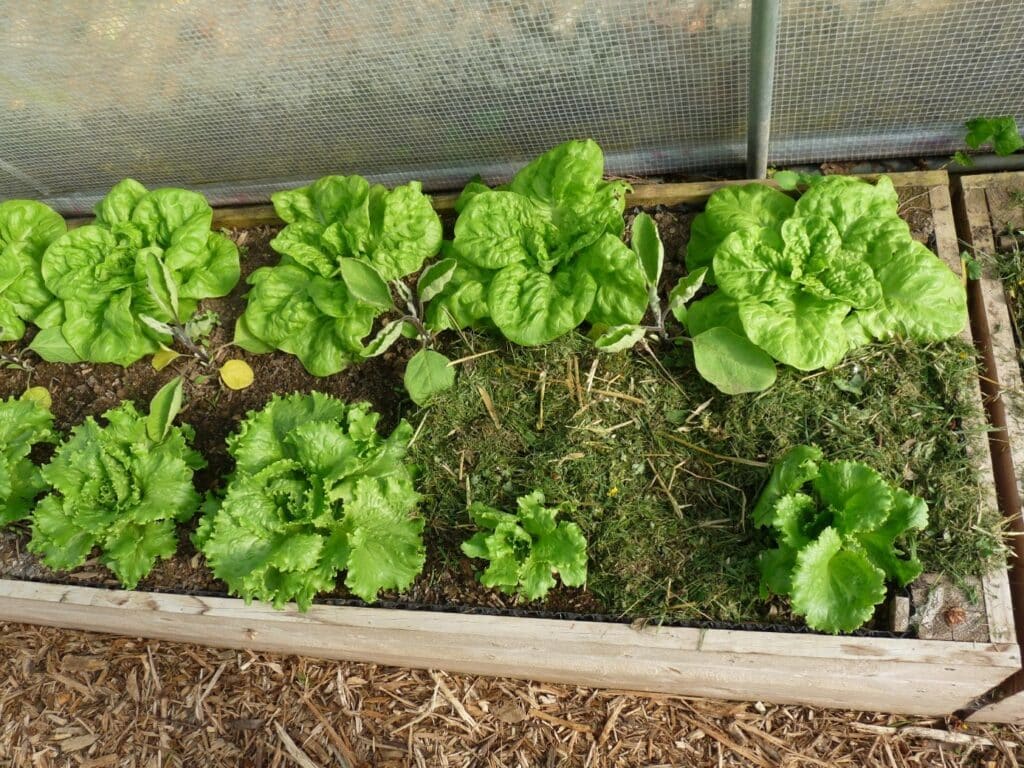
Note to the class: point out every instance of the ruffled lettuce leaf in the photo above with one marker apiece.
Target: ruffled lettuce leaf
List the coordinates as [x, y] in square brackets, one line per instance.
[316, 490]
[113, 278]
[543, 254]
[26, 230]
[116, 488]
[840, 529]
[23, 424]
[527, 549]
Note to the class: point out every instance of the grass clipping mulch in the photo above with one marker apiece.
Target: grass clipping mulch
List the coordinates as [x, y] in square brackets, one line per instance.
[665, 470]
[74, 699]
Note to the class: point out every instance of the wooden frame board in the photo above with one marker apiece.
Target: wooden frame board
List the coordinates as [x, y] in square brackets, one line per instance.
[925, 677]
[982, 214]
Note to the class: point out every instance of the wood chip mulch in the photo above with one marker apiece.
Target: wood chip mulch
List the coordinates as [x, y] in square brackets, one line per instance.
[91, 701]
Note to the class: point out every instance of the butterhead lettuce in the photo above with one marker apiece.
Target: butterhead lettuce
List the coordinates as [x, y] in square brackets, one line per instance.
[810, 280]
[544, 253]
[26, 230]
[113, 278]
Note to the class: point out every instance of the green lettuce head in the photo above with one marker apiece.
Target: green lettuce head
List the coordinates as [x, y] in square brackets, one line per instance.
[144, 263]
[343, 240]
[121, 487]
[842, 532]
[316, 490]
[544, 253]
[806, 282]
[26, 230]
[23, 424]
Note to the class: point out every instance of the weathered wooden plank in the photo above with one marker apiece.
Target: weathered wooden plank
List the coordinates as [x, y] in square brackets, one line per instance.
[1004, 391]
[995, 585]
[238, 217]
[916, 677]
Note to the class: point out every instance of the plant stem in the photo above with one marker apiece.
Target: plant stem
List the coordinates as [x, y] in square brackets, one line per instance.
[181, 336]
[16, 358]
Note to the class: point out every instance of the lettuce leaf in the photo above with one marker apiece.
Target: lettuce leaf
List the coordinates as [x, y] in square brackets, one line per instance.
[316, 490]
[26, 230]
[116, 488]
[840, 529]
[23, 424]
[102, 278]
[543, 254]
[527, 549]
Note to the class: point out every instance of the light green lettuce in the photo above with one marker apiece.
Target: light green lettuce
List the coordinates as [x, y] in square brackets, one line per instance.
[344, 239]
[527, 549]
[23, 424]
[544, 253]
[143, 264]
[839, 527]
[121, 487]
[26, 229]
[316, 490]
[807, 282]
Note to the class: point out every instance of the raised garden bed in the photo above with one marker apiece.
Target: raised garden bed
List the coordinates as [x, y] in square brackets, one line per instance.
[990, 219]
[679, 634]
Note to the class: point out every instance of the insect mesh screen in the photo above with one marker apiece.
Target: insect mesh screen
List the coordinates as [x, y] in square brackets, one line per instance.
[892, 78]
[251, 93]
[241, 98]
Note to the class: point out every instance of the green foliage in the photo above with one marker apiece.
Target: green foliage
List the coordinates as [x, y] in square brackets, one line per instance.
[23, 424]
[427, 373]
[837, 525]
[528, 548]
[123, 281]
[543, 254]
[118, 488]
[809, 281]
[1001, 131]
[344, 240]
[315, 491]
[26, 230]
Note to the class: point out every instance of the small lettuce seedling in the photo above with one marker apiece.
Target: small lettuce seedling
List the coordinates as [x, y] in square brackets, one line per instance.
[24, 423]
[26, 230]
[344, 241]
[130, 281]
[316, 490]
[528, 548]
[838, 525]
[122, 487]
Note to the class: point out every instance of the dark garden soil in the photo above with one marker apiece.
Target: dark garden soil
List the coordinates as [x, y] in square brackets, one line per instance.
[635, 572]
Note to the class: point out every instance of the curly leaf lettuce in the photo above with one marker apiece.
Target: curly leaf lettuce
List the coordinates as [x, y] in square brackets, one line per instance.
[808, 281]
[23, 424]
[343, 240]
[528, 548]
[26, 230]
[116, 488]
[104, 275]
[543, 254]
[316, 490]
[839, 527]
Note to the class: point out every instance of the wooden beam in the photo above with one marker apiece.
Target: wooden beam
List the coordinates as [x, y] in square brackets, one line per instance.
[925, 677]
[693, 193]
